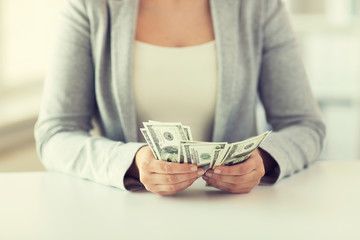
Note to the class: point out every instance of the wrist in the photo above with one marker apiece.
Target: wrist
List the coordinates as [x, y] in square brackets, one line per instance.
[269, 162]
[133, 170]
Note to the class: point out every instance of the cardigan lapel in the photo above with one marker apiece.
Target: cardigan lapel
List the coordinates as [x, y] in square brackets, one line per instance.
[123, 16]
[224, 17]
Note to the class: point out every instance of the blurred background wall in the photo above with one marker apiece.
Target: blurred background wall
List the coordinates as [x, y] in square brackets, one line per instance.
[328, 33]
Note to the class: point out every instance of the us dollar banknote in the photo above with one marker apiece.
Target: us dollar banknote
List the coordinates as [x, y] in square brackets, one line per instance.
[173, 142]
[240, 151]
[164, 139]
[201, 153]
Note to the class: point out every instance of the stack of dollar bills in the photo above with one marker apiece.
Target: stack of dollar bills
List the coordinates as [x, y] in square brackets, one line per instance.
[173, 142]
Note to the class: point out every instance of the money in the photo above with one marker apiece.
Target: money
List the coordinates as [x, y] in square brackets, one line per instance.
[164, 139]
[241, 151]
[201, 153]
[173, 142]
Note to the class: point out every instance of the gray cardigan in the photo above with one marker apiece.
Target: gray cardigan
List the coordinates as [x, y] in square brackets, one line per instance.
[89, 77]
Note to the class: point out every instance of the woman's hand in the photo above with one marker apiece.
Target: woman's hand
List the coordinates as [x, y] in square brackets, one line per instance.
[162, 177]
[240, 178]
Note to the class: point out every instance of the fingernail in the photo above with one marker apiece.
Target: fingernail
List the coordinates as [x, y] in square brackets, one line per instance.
[200, 172]
[205, 178]
[208, 174]
[217, 171]
[193, 169]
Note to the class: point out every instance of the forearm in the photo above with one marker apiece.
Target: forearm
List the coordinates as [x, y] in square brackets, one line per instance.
[95, 158]
[293, 148]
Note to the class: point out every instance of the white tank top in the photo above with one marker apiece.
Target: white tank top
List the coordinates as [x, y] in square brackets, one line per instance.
[176, 84]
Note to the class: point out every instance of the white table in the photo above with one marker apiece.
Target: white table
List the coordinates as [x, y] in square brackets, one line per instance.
[322, 202]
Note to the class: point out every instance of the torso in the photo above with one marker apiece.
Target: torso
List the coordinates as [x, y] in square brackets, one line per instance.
[176, 85]
[175, 51]
[174, 23]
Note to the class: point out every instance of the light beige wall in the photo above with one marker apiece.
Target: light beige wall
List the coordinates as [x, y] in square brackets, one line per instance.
[20, 159]
[307, 6]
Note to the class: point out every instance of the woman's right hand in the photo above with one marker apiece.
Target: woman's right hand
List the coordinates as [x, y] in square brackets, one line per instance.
[164, 178]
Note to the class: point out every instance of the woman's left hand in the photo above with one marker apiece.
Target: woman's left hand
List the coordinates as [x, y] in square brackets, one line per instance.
[239, 178]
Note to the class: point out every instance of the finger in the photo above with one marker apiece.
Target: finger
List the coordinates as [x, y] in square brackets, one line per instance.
[232, 188]
[239, 169]
[236, 179]
[170, 168]
[160, 178]
[172, 188]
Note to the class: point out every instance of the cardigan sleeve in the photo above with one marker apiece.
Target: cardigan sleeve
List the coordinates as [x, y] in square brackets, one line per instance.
[291, 110]
[62, 135]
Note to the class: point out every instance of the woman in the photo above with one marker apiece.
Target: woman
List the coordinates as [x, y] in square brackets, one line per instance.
[122, 62]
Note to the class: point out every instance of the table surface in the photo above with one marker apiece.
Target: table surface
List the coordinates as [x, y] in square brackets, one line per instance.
[321, 202]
